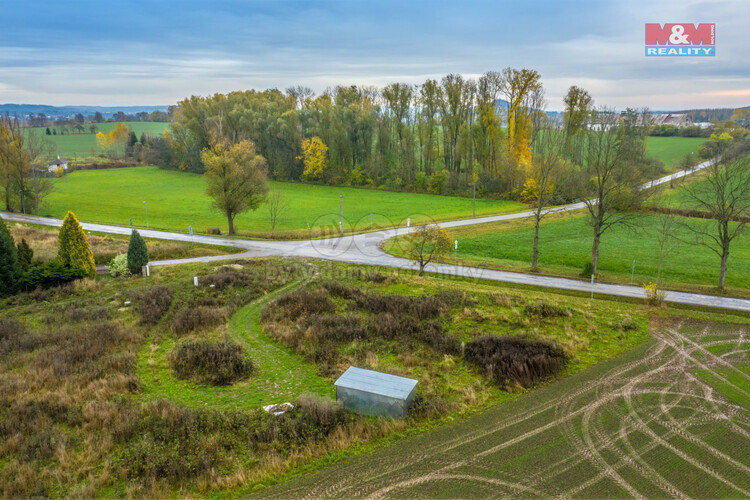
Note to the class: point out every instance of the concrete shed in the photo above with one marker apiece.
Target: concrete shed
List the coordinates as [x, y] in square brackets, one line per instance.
[374, 393]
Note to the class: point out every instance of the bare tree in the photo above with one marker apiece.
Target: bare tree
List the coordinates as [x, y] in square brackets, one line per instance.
[15, 160]
[277, 205]
[578, 109]
[39, 148]
[666, 239]
[725, 194]
[545, 167]
[613, 189]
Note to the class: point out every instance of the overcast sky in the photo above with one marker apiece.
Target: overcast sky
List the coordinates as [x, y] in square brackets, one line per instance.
[156, 53]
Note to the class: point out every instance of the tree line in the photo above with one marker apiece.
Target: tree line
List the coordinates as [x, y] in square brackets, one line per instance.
[42, 120]
[441, 136]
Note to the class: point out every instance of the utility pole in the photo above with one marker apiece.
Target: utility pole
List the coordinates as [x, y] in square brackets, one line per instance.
[146, 205]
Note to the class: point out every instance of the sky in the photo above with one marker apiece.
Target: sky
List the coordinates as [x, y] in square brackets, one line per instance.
[122, 53]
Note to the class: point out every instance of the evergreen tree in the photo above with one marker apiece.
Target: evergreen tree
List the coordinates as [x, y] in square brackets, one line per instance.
[25, 254]
[137, 253]
[10, 270]
[75, 251]
[48, 132]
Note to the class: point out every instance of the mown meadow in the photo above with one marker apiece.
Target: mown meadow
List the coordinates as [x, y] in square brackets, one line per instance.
[176, 200]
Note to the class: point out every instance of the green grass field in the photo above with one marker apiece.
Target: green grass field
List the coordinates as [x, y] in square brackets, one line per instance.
[279, 374]
[678, 196]
[72, 145]
[670, 150]
[565, 246]
[176, 200]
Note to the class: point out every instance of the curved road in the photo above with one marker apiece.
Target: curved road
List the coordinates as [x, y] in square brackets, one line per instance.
[366, 249]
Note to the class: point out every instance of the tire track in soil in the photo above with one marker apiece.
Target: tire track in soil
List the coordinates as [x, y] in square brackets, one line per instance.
[388, 473]
[387, 468]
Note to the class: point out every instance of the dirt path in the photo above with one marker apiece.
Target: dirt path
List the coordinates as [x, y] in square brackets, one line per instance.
[641, 425]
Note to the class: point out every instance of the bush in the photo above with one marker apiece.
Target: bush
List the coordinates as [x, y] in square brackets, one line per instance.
[137, 253]
[74, 312]
[654, 295]
[213, 230]
[319, 417]
[305, 301]
[318, 331]
[118, 267]
[375, 277]
[626, 324]
[153, 303]
[516, 361]
[588, 270]
[51, 275]
[544, 309]
[228, 277]
[75, 250]
[189, 319]
[215, 363]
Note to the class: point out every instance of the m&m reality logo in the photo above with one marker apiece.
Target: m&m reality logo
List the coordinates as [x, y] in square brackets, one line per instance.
[680, 40]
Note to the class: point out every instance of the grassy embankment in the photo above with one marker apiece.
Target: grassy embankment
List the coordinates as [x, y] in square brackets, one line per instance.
[43, 241]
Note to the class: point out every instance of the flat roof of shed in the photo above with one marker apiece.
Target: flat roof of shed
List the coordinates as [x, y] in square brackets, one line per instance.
[376, 382]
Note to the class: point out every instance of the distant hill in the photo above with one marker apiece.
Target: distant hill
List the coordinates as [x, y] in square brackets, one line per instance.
[24, 110]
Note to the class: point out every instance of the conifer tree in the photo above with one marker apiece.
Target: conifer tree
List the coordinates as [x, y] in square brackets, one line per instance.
[137, 253]
[25, 254]
[75, 251]
[10, 270]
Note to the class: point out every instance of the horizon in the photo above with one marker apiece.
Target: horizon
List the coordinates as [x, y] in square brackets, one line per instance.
[161, 54]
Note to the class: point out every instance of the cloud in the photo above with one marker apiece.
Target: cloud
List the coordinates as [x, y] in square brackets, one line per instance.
[117, 53]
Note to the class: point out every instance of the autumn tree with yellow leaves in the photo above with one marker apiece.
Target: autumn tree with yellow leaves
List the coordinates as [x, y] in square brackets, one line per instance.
[518, 87]
[114, 142]
[314, 157]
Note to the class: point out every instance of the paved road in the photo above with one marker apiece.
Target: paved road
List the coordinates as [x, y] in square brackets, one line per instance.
[366, 249]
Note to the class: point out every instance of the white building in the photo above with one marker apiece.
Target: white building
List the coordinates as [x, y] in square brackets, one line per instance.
[52, 167]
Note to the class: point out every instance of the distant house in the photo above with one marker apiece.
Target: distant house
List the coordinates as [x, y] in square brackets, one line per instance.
[675, 119]
[52, 167]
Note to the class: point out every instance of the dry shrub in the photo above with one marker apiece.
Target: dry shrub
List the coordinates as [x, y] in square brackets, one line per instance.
[153, 303]
[14, 336]
[423, 307]
[516, 361]
[215, 363]
[76, 312]
[189, 319]
[297, 303]
[341, 290]
[321, 415]
[165, 441]
[375, 277]
[543, 309]
[318, 332]
[227, 277]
